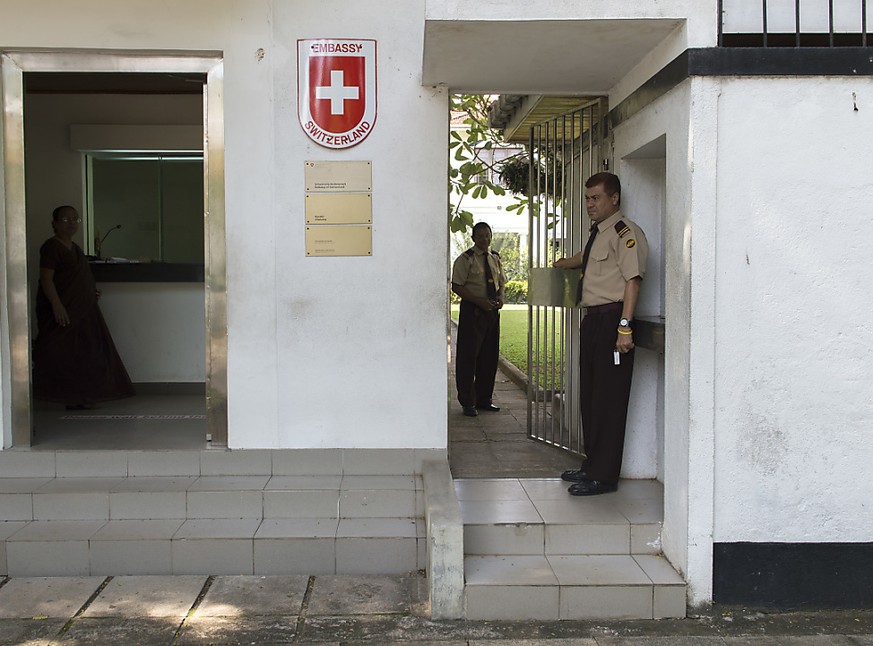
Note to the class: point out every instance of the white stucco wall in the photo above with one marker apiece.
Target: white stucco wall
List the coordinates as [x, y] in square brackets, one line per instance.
[322, 352]
[675, 126]
[699, 13]
[794, 339]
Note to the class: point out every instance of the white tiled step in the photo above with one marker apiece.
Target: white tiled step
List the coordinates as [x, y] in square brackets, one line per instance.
[345, 524]
[212, 497]
[539, 517]
[212, 546]
[572, 587]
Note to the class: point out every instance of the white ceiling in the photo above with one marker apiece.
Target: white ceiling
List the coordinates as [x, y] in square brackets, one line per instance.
[537, 57]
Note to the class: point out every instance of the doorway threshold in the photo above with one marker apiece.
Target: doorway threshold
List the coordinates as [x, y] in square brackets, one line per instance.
[148, 421]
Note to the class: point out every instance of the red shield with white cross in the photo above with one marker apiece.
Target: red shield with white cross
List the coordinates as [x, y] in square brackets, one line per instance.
[336, 87]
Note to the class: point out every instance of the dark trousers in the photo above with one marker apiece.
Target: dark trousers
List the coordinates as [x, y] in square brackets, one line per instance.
[476, 354]
[605, 392]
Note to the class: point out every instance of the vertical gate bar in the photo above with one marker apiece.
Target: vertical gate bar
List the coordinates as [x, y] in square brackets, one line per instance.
[542, 329]
[541, 199]
[830, 23]
[572, 316]
[720, 10]
[562, 366]
[535, 321]
[535, 397]
[863, 23]
[530, 255]
[764, 20]
[549, 323]
[797, 23]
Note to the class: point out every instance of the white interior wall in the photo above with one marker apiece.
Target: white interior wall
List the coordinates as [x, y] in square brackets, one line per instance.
[643, 200]
[158, 329]
[322, 352]
[794, 345]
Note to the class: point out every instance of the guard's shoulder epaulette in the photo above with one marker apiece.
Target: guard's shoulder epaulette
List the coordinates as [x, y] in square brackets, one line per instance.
[495, 253]
[469, 252]
[622, 229]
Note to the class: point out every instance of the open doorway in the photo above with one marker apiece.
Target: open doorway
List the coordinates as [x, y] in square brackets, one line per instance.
[135, 141]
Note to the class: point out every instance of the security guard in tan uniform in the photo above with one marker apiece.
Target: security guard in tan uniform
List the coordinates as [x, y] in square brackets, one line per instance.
[477, 277]
[613, 265]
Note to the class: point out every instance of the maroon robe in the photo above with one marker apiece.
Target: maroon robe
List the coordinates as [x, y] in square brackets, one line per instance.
[76, 363]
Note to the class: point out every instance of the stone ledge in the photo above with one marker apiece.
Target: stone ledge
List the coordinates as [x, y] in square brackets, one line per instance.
[445, 542]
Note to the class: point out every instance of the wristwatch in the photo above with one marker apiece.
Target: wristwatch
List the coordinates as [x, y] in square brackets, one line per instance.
[624, 323]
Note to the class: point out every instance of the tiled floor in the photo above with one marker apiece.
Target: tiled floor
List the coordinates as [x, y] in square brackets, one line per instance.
[488, 446]
[537, 516]
[143, 422]
[496, 445]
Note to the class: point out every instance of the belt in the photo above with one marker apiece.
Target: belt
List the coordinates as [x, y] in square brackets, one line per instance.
[603, 309]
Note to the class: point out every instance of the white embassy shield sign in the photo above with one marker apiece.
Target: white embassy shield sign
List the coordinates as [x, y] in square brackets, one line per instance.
[336, 90]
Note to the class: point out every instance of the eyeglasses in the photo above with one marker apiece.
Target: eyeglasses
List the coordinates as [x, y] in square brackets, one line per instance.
[69, 220]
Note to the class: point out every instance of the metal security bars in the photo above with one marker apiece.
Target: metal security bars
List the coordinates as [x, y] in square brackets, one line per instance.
[564, 152]
[793, 23]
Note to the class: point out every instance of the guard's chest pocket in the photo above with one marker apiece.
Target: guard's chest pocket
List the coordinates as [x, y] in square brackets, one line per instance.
[598, 260]
[478, 269]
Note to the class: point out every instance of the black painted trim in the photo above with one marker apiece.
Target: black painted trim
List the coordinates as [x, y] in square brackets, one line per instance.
[147, 272]
[793, 575]
[751, 61]
[769, 61]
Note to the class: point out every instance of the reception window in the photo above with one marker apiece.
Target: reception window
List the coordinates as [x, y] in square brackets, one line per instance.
[144, 207]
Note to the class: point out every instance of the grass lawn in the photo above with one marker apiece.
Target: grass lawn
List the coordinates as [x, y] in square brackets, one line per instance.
[513, 334]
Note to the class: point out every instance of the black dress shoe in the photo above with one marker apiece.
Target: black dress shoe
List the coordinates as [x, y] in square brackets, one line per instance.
[576, 475]
[488, 408]
[470, 411]
[591, 488]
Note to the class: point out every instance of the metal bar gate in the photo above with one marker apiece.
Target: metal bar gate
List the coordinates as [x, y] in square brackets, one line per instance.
[564, 152]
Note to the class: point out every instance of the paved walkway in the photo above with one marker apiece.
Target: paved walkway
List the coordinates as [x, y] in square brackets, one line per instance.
[352, 611]
[496, 445]
[382, 610]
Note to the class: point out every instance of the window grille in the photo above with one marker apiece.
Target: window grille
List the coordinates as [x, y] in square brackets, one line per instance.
[793, 23]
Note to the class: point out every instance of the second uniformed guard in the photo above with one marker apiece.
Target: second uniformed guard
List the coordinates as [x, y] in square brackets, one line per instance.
[477, 277]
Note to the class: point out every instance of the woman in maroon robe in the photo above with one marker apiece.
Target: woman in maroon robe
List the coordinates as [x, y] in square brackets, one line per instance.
[75, 360]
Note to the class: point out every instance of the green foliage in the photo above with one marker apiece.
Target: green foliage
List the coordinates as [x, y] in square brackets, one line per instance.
[516, 291]
[470, 174]
[471, 171]
[512, 256]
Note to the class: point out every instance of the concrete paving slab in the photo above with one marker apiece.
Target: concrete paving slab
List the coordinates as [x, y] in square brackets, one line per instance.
[534, 642]
[239, 630]
[363, 595]
[795, 640]
[33, 632]
[147, 596]
[139, 631]
[238, 596]
[379, 630]
[60, 597]
[660, 641]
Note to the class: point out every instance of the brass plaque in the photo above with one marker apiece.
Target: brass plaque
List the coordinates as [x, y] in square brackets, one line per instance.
[339, 208]
[348, 240]
[339, 176]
